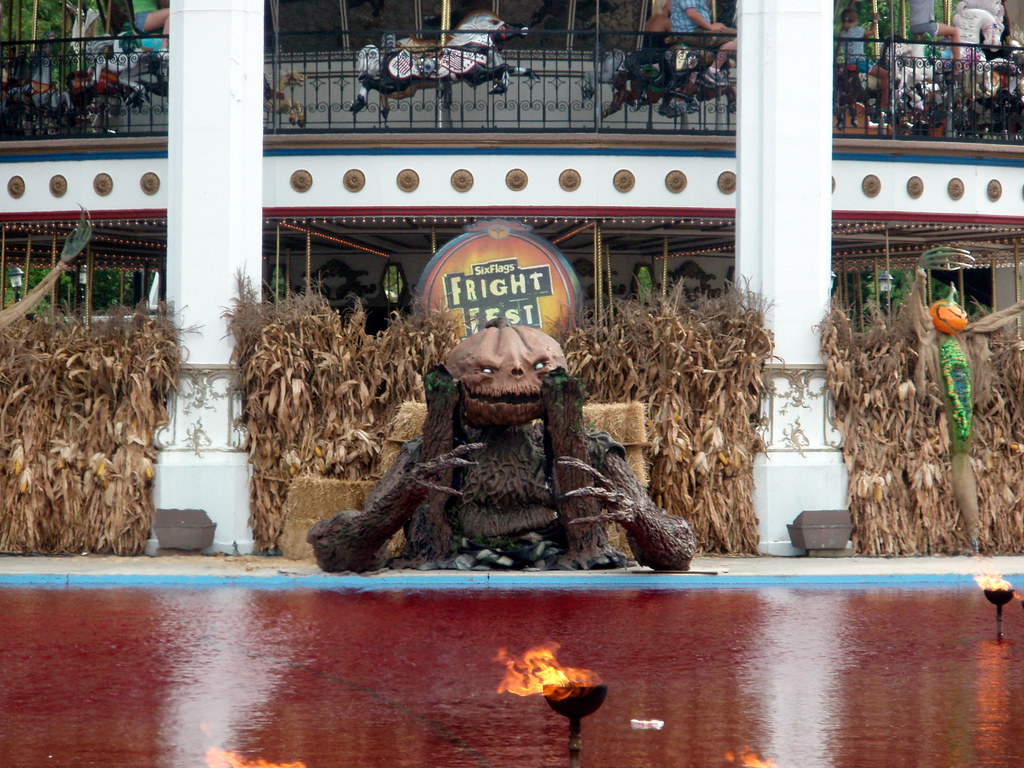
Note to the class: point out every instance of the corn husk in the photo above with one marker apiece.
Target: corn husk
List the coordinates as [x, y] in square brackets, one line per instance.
[78, 410]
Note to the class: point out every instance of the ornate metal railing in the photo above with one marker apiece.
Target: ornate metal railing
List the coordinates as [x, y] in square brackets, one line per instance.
[548, 81]
[87, 87]
[929, 91]
[578, 81]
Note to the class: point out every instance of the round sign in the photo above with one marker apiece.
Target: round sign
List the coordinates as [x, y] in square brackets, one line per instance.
[499, 268]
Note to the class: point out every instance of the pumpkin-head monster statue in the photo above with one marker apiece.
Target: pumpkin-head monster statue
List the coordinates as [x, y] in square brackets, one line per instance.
[501, 368]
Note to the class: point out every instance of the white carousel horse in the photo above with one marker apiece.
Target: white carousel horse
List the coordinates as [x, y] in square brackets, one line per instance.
[33, 101]
[409, 63]
[981, 22]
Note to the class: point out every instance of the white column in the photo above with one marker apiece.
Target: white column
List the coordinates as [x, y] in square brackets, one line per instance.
[784, 157]
[214, 234]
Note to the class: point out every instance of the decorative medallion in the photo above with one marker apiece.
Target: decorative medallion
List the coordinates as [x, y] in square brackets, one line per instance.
[995, 190]
[624, 180]
[871, 186]
[915, 187]
[103, 184]
[16, 186]
[354, 180]
[58, 186]
[301, 180]
[516, 179]
[570, 179]
[955, 188]
[462, 180]
[408, 180]
[150, 183]
[675, 181]
[727, 182]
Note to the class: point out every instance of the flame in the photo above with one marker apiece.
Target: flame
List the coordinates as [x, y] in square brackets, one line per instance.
[537, 668]
[220, 758]
[749, 759]
[991, 581]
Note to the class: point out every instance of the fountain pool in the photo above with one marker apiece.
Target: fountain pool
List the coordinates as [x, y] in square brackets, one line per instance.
[808, 677]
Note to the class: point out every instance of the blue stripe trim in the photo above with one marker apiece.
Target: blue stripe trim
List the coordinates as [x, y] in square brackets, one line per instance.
[928, 159]
[49, 157]
[518, 151]
[492, 581]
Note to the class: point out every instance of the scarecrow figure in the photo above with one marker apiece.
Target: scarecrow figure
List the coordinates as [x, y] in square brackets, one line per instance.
[955, 353]
[488, 485]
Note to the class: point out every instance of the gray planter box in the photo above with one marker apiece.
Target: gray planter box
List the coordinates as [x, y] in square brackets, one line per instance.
[821, 529]
[183, 528]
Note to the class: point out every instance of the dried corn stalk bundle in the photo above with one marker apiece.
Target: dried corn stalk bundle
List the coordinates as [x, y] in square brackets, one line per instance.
[78, 409]
[319, 392]
[896, 443]
[698, 367]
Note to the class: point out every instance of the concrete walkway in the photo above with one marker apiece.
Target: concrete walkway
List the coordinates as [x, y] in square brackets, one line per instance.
[187, 569]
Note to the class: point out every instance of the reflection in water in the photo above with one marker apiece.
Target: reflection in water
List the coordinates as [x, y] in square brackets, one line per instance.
[793, 673]
[809, 678]
[992, 699]
[226, 665]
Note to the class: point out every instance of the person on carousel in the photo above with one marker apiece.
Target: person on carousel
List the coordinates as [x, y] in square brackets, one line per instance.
[922, 22]
[851, 38]
[692, 26]
[152, 15]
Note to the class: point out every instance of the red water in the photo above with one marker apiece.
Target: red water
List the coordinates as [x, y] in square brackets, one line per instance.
[808, 678]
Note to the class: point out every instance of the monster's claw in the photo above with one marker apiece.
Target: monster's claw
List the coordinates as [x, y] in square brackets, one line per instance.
[946, 257]
[425, 473]
[570, 461]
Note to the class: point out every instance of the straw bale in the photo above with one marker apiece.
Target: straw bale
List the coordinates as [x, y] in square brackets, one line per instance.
[626, 422]
[311, 499]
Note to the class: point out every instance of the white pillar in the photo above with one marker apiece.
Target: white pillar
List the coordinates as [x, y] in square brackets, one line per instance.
[784, 157]
[214, 234]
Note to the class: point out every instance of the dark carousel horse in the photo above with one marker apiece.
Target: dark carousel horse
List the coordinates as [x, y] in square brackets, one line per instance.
[671, 77]
[401, 67]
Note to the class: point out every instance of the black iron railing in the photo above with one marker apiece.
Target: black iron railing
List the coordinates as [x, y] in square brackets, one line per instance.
[930, 91]
[87, 87]
[548, 81]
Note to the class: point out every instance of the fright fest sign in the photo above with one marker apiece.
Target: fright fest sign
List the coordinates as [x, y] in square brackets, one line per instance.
[499, 268]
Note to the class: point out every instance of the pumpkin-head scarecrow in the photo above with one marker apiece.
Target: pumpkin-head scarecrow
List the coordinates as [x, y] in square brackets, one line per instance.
[953, 352]
[505, 475]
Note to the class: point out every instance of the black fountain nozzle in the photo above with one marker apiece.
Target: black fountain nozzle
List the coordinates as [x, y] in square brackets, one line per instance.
[575, 701]
[999, 598]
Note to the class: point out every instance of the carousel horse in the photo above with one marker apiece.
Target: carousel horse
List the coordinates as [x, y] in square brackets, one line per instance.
[670, 76]
[32, 101]
[399, 68]
[993, 82]
[124, 70]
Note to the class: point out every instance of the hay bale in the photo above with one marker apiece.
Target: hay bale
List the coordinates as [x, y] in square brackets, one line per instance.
[311, 499]
[407, 424]
[626, 422]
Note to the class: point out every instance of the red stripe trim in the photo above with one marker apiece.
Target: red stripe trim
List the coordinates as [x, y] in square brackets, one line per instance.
[105, 215]
[937, 218]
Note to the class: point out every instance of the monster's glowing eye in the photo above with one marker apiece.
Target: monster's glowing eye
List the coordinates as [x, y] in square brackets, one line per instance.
[487, 370]
[540, 365]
